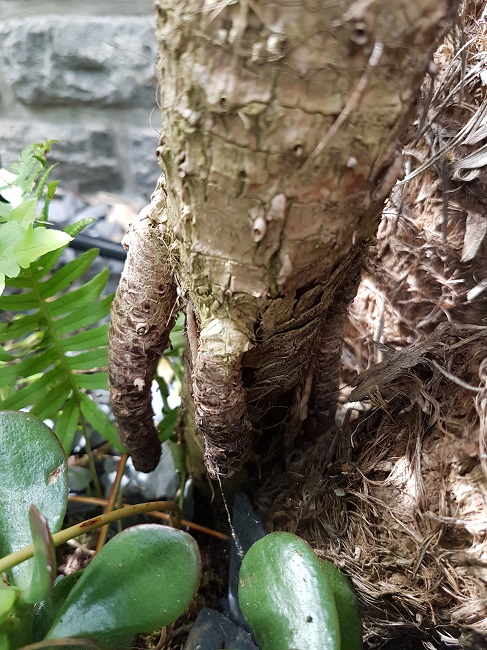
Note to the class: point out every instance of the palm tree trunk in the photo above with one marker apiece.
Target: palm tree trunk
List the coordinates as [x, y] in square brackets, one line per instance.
[282, 126]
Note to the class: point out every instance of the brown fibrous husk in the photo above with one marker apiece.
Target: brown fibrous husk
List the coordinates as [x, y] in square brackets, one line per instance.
[400, 501]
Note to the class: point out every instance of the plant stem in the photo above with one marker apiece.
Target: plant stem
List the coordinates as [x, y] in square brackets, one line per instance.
[102, 537]
[157, 515]
[89, 452]
[63, 536]
[63, 644]
[182, 482]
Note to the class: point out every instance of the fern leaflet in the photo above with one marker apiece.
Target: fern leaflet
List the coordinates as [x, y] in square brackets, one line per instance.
[54, 346]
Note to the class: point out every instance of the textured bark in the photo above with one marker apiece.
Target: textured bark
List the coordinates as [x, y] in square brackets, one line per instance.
[281, 127]
[219, 395]
[282, 123]
[142, 316]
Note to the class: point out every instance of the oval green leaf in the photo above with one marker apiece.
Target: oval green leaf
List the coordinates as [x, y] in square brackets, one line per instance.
[285, 596]
[347, 607]
[144, 578]
[34, 472]
[47, 610]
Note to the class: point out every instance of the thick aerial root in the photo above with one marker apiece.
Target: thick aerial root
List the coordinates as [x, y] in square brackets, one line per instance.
[143, 314]
[219, 397]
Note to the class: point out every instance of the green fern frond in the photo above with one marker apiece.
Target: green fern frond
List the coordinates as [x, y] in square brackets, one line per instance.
[53, 346]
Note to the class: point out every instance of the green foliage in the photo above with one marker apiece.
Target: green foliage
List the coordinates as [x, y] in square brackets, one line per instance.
[347, 607]
[160, 564]
[47, 610]
[32, 467]
[20, 241]
[61, 349]
[143, 579]
[55, 348]
[290, 601]
[53, 352]
[44, 558]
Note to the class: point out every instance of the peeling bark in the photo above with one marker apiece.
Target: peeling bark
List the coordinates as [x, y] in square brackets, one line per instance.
[142, 317]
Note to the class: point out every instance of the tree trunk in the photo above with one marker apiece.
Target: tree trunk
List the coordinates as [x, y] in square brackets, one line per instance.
[282, 127]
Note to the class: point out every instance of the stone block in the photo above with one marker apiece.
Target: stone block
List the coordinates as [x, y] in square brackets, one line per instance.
[102, 61]
[86, 156]
[16, 8]
[142, 160]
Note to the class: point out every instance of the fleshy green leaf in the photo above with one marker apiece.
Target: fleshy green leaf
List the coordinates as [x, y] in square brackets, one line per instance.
[347, 607]
[44, 559]
[142, 579]
[285, 596]
[33, 470]
[8, 598]
[47, 610]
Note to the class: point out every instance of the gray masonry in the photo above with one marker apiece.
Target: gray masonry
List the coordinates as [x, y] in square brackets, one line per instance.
[82, 73]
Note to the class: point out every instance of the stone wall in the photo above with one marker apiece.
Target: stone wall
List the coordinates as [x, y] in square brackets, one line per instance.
[82, 73]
